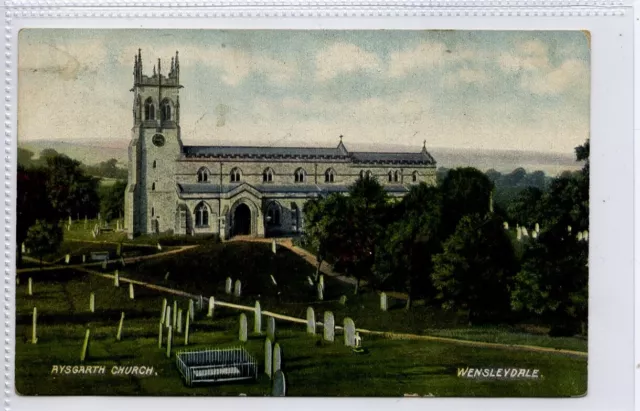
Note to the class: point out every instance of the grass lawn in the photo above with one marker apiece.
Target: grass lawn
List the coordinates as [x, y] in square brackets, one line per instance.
[312, 368]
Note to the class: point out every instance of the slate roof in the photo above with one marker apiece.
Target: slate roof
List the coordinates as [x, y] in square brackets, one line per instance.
[403, 158]
[206, 188]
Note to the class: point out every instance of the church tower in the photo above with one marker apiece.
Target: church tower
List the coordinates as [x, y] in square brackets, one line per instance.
[150, 197]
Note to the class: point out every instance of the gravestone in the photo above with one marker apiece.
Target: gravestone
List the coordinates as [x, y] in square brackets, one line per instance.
[242, 333]
[186, 331]
[329, 326]
[505, 225]
[67, 258]
[237, 290]
[383, 301]
[273, 280]
[268, 357]
[131, 293]
[30, 286]
[537, 227]
[163, 313]
[159, 247]
[357, 340]
[518, 234]
[174, 311]
[169, 338]
[119, 333]
[320, 292]
[311, 321]
[279, 388]
[322, 281]
[211, 306]
[116, 279]
[271, 328]
[349, 332]
[585, 236]
[569, 229]
[84, 258]
[160, 330]
[167, 317]
[525, 233]
[228, 285]
[179, 324]
[579, 236]
[85, 346]
[200, 303]
[343, 299]
[192, 310]
[277, 357]
[273, 246]
[166, 276]
[257, 318]
[104, 264]
[24, 248]
[310, 281]
[92, 302]
[534, 234]
[34, 333]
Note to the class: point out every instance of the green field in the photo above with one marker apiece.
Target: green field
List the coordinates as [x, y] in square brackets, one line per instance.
[312, 367]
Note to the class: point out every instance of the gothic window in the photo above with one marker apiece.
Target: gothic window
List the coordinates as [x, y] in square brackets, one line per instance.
[361, 173]
[154, 163]
[414, 176]
[368, 174]
[153, 211]
[300, 175]
[203, 175]
[153, 186]
[202, 215]
[329, 175]
[165, 110]
[396, 176]
[267, 175]
[235, 175]
[273, 214]
[149, 110]
[390, 174]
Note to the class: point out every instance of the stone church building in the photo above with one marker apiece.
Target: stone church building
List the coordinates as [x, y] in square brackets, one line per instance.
[236, 190]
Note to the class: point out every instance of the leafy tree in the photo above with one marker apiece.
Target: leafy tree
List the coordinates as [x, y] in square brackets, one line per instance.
[25, 157]
[112, 200]
[473, 272]
[71, 191]
[43, 238]
[526, 209]
[405, 251]
[464, 191]
[553, 281]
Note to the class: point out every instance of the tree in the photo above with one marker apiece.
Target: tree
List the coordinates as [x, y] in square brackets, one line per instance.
[553, 281]
[405, 251]
[43, 238]
[473, 272]
[112, 200]
[526, 208]
[70, 190]
[464, 191]
[25, 157]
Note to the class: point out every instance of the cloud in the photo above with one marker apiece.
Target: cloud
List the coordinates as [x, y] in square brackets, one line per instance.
[65, 61]
[572, 74]
[341, 58]
[527, 56]
[466, 77]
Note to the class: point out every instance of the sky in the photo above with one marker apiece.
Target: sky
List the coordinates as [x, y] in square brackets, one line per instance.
[494, 90]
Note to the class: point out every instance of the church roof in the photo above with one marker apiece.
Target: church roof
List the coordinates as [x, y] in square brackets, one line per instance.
[206, 188]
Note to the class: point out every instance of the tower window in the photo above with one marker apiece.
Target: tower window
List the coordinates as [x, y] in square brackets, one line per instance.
[165, 110]
[153, 186]
[202, 215]
[329, 175]
[153, 211]
[149, 110]
[203, 175]
[300, 175]
[235, 175]
[267, 175]
[414, 176]
[154, 163]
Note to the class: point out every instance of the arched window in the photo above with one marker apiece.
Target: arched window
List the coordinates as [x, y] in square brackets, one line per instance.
[153, 186]
[390, 174]
[203, 175]
[235, 175]
[267, 175]
[414, 176]
[149, 110]
[154, 163]
[300, 175]
[295, 217]
[361, 173]
[396, 176]
[368, 174]
[273, 214]
[202, 215]
[153, 211]
[165, 110]
[329, 175]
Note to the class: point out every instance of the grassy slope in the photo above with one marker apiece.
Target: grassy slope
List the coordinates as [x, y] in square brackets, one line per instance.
[391, 368]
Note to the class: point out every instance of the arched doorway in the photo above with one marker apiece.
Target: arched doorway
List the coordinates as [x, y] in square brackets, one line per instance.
[242, 220]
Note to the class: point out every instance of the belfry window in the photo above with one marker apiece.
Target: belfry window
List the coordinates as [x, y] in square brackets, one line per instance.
[235, 175]
[203, 175]
[165, 110]
[149, 110]
[300, 175]
[267, 175]
[329, 175]
[202, 215]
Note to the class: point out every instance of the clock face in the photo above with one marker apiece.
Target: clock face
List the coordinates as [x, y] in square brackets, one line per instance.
[158, 140]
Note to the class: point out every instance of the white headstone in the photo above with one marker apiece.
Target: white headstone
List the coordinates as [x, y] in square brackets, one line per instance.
[569, 229]
[84, 258]
[271, 328]
[85, 346]
[169, 340]
[310, 281]
[534, 234]
[273, 246]
[119, 334]
[518, 234]
[30, 286]
[343, 299]
[228, 285]
[237, 289]
[525, 233]
[585, 236]
[211, 307]
[163, 313]
[537, 227]
[167, 317]
[179, 324]
[92, 302]
[131, 293]
[34, 326]
[579, 236]
[383, 301]
[186, 331]
[268, 357]
[320, 292]
[166, 276]
[505, 225]
[116, 279]
[329, 326]
[159, 247]
[242, 334]
[67, 258]
[349, 332]
[175, 313]
[257, 318]
[273, 280]
[160, 331]
[279, 388]
[311, 321]
[192, 310]
[23, 248]
[321, 281]
[357, 340]
[277, 357]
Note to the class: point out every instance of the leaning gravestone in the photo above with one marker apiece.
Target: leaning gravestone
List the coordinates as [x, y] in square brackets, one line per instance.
[329, 326]
[257, 318]
[343, 299]
[279, 384]
[85, 346]
[320, 292]
[169, 341]
[271, 328]
[67, 258]
[186, 331]
[228, 285]
[310, 281]
[268, 357]
[349, 332]
[119, 333]
[131, 293]
[311, 321]
[277, 357]
[242, 334]
[237, 290]
[321, 281]
[383, 301]
[211, 306]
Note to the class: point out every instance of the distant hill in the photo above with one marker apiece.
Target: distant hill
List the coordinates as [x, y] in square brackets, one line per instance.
[93, 152]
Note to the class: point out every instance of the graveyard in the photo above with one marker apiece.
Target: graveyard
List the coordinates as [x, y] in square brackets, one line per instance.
[121, 323]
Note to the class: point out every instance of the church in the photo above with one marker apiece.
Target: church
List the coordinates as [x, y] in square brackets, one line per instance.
[236, 190]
